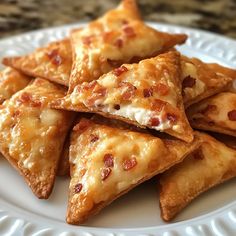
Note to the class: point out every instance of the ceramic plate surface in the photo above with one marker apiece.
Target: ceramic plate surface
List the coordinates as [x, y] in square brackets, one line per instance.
[136, 213]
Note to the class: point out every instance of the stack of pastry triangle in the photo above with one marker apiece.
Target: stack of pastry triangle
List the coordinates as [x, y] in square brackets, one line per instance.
[140, 89]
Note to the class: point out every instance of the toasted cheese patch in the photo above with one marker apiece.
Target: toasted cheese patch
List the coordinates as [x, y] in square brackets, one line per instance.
[118, 37]
[11, 81]
[103, 166]
[32, 135]
[217, 113]
[200, 80]
[147, 94]
[212, 164]
[52, 62]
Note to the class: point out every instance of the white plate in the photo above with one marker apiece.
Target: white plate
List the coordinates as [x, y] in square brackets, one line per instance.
[136, 213]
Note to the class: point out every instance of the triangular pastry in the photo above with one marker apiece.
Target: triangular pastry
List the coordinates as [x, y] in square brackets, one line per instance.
[217, 113]
[11, 81]
[199, 80]
[230, 72]
[228, 140]
[118, 37]
[32, 135]
[52, 62]
[212, 164]
[104, 167]
[147, 94]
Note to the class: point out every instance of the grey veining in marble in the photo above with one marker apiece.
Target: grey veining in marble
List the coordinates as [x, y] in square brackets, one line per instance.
[17, 16]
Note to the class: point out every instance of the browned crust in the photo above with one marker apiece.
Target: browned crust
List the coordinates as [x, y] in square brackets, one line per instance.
[214, 128]
[11, 63]
[42, 190]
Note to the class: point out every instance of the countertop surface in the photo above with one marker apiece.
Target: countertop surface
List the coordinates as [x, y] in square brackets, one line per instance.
[18, 16]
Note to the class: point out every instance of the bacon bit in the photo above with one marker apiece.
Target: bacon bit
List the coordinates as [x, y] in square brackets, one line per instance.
[25, 97]
[87, 40]
[55, 57]
[198, 155]
[171, 117]
[119, 71]
[129, 31]
[129, 91]
[154, 121]
[93, 138]
[82, 126]
[117, 107]
[78, 187]
[162, 89]
[147, 92]
[209, 108]
[114, 63]
[188, 82]
[119, 43]
[108, 160]
[158, 105]
[129, 163]
[105, 173]
[232, 115]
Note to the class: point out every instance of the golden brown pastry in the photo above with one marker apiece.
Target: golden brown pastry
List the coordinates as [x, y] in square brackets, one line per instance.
[200, 80]
[104, 167]
[212, 164]
[11, 81]
[32, 134]
[52, 62]
[118, 37]
[217, 113]
[147, 94]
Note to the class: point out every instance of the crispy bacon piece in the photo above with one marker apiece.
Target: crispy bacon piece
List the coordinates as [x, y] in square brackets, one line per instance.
[129, 163]
[129, 90]
[119, 43]
[108, 160]
[105, 173]
[232, 115]
[118, 71]
[188, 82]
[161, 89]
[148, 92]
[93, 138]
[171, 117]
[209, 108]
[154, 121]
[55, 57]
[129, 31]
[78, 187]
[158, 105]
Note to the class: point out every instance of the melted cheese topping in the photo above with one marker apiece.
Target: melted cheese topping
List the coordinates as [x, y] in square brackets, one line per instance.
[147, 75]
[33, 135]
[88, 159]
[11, 81]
